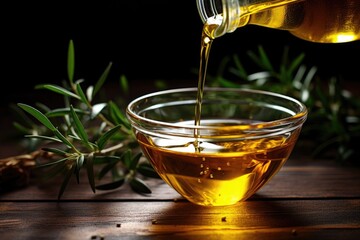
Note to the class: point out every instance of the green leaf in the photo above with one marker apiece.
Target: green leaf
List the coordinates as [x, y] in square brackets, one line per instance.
[261, 60]
[309, 77]
[296, 63]
[60, 112]
[57, 89]
[71, 62]
[134, 161]
[124, 84]
[126, 158]
[90, 171]
[105, 159]
[75, 137]
[147, 170]
[38, 115]
[43, 138]
[161, 84]
[52, 163]
[229, 84]
[54, 171]
[21, 128]
[79, 165]
[266, 63]
[42, 107]
[79, 126]
[89, 145]
[56, 151]
[107, 168]
[101, 142]
[112, 185]
[63, 139]
[66, 180]
[239, 69]
[221, 69]
[118, 116]
[139, 186]
[82, 94]
[22, 116]
[101, 80]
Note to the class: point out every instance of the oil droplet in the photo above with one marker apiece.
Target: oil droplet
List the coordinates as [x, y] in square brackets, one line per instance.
[199, 180]
[207, 40]
[219, 168]
[211, 175]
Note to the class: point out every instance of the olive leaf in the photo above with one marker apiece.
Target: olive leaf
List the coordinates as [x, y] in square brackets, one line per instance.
[38, 115]
[71, 62]
[101, 80]
[68, 174]
[140, 186]
[101, 142]
[58, 89]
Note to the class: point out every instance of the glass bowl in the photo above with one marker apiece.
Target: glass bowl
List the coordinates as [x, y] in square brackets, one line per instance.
[243, 139]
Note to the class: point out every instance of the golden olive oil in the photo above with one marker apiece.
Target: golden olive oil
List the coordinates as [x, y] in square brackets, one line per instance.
[223, 172]
[323, 21]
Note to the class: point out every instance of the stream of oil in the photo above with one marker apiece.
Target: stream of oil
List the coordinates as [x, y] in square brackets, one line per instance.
[207, 38]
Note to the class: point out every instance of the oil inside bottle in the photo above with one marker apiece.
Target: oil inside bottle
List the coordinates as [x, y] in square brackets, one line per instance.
[323, 21]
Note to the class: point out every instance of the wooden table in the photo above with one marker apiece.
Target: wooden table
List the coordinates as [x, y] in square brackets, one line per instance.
[305, 200]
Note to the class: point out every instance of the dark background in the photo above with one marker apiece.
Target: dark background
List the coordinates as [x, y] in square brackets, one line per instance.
[145, 41]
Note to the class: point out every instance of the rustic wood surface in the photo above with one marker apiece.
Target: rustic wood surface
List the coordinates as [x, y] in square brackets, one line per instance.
[305, 200]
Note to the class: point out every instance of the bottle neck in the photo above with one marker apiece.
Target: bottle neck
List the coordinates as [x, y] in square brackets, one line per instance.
[226, 14]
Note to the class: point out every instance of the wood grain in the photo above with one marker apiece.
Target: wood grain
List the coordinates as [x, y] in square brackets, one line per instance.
[180, 220]
[303, 201]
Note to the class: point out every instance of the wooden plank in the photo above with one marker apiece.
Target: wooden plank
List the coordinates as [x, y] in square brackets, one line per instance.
[292, 182]
[256, 219]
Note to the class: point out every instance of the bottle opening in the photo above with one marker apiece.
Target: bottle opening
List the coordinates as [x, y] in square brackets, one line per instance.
[209, 8]
[226, 11]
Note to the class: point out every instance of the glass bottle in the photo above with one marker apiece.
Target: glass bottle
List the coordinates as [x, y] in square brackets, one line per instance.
[323, 21]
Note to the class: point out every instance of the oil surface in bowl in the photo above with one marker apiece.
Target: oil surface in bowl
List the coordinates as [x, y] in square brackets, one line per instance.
[218, 172]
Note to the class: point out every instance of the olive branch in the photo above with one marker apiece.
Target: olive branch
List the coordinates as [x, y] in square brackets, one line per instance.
[84, 134]
[333, 124]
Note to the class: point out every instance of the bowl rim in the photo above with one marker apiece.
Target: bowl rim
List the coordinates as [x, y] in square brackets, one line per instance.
[297, 118]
